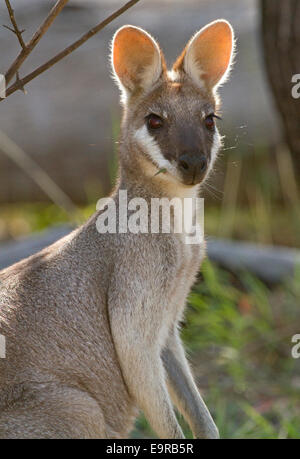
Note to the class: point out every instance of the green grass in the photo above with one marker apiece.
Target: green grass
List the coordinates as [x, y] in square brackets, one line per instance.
[21, 219]
[238, 336]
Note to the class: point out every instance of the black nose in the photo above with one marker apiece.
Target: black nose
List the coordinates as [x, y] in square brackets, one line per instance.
[192, 167]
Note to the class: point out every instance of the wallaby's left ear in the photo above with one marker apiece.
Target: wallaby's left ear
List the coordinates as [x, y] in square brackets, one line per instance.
[208, 55]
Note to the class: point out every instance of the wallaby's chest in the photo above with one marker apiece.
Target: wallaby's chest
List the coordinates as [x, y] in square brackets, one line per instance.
[188, 261]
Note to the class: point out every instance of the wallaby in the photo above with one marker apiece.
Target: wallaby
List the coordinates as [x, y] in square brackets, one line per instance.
[92, 322]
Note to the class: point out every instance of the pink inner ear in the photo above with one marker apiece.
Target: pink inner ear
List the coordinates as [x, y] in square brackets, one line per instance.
[212, 51]
[133, 51]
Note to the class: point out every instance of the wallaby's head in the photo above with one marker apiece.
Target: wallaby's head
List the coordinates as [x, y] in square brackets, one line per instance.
[169, 116]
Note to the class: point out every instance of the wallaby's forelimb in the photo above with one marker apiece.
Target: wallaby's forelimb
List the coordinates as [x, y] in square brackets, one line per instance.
[144, 376]
[137, 336]
[183, 390]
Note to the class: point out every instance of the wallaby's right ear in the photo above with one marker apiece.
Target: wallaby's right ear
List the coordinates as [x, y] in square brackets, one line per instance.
[137, 61]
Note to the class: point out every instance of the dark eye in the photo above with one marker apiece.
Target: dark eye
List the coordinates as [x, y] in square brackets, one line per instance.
[154, 121]
[210, 122]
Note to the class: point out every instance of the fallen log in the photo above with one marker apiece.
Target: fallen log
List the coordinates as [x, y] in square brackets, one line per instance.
[271, 264]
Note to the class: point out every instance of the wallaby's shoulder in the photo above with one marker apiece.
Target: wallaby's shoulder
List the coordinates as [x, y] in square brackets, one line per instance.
[37, 261]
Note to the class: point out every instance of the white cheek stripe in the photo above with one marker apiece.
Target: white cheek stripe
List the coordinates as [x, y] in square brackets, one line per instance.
[149, 146]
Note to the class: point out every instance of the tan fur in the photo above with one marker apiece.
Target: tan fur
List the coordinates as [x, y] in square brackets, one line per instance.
[91, 322]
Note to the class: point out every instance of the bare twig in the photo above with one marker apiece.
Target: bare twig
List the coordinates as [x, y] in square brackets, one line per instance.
[22, 82]
[13, 30]
[37, 174]
[15, 26]
[28, 47]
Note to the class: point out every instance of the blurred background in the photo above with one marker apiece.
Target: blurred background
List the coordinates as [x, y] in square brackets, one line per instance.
[239, 327]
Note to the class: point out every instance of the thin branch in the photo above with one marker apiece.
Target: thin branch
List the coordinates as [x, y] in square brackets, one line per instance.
[28, 47]
[15, 26]
[37, 174]
[22, 82]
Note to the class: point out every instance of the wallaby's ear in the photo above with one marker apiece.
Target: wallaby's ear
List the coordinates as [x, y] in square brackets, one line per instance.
[208, 55]
[137, 61]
